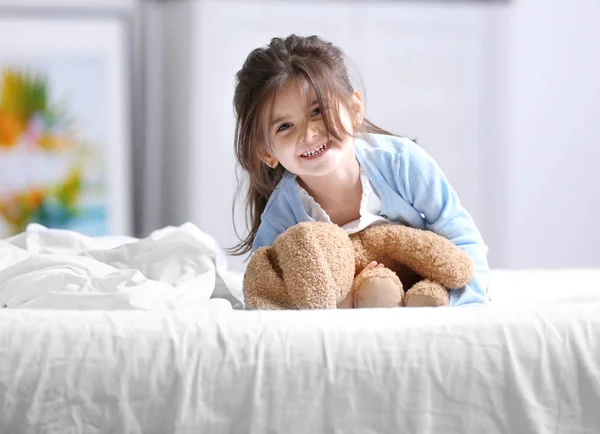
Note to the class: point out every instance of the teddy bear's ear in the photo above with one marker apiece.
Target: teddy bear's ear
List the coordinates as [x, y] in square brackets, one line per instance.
[317, 263]
[263, 283]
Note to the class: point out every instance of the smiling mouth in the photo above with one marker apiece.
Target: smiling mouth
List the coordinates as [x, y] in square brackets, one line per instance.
[317, 151]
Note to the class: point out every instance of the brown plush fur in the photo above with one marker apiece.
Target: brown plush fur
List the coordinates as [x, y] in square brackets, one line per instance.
[313, 265]
[309, 266]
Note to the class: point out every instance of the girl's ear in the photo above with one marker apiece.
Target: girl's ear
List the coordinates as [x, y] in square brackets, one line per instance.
[358, 108]
[269, 160]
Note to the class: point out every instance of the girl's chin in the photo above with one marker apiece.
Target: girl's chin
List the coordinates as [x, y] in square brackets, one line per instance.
[318, 171]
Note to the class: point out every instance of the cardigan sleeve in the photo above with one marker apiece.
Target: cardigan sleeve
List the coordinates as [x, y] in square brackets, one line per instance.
[430, 193]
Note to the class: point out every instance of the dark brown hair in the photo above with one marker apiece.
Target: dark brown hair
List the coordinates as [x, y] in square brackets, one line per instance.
[310, 61]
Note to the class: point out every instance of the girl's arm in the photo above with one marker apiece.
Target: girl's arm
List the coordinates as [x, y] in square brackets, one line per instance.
[265, 236]
[429, 192]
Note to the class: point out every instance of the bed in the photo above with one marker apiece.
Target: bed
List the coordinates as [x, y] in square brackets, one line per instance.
[530, 363]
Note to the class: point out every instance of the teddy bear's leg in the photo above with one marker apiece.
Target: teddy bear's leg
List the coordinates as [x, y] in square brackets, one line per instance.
[263, 285]
[377, 287]
[426, 294]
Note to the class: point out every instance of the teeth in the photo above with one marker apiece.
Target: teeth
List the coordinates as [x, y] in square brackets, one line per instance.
[318, 151]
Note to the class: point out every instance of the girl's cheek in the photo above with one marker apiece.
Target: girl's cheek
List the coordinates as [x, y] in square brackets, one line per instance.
[321, 126]
[282, 141]
[288, 138]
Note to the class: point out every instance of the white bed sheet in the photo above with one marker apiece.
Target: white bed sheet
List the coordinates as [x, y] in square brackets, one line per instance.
[523, 365]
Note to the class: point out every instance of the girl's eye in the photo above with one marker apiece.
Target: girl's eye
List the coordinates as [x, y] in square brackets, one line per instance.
[283, 127]
[316, 112]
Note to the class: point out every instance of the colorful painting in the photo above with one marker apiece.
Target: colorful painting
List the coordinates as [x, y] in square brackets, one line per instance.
[52, 148]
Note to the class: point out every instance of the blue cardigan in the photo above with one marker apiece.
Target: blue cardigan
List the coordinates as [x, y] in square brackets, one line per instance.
[413, 190]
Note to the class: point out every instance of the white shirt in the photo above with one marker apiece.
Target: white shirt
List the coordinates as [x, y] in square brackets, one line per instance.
[370, 207]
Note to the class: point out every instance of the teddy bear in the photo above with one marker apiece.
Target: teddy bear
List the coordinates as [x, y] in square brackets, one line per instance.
[317, 265]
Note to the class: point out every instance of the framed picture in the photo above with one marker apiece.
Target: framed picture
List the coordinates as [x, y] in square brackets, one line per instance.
[65, 142]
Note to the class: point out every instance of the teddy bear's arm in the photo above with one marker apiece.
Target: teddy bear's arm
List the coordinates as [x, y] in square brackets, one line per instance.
[263, 285]
[317, 263]
[306, 270]
[427, 253]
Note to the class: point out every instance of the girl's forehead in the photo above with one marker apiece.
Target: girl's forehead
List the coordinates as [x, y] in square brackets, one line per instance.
[294, 94]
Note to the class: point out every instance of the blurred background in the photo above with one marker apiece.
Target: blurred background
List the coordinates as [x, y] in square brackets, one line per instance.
[505, 95]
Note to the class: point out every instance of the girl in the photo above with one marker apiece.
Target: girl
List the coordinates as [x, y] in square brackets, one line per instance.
[310, 154]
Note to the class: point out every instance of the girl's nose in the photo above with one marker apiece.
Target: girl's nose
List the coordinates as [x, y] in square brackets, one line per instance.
[312, 132]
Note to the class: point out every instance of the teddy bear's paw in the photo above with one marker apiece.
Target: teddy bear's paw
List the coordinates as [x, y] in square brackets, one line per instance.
[378, 287]
[422, 301]
[426, 294]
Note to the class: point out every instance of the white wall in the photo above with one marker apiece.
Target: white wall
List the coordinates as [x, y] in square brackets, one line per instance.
[516, 98]
[512, 90]
[520, 106]
[553, 140]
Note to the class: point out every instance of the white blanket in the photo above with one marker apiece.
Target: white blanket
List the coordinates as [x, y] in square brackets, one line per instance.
[173, 268]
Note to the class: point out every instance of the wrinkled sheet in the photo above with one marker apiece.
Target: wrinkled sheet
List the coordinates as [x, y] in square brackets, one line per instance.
[528, 364]
[173, 268]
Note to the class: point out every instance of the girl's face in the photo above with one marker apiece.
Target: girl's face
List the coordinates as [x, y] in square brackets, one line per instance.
[306, 150]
